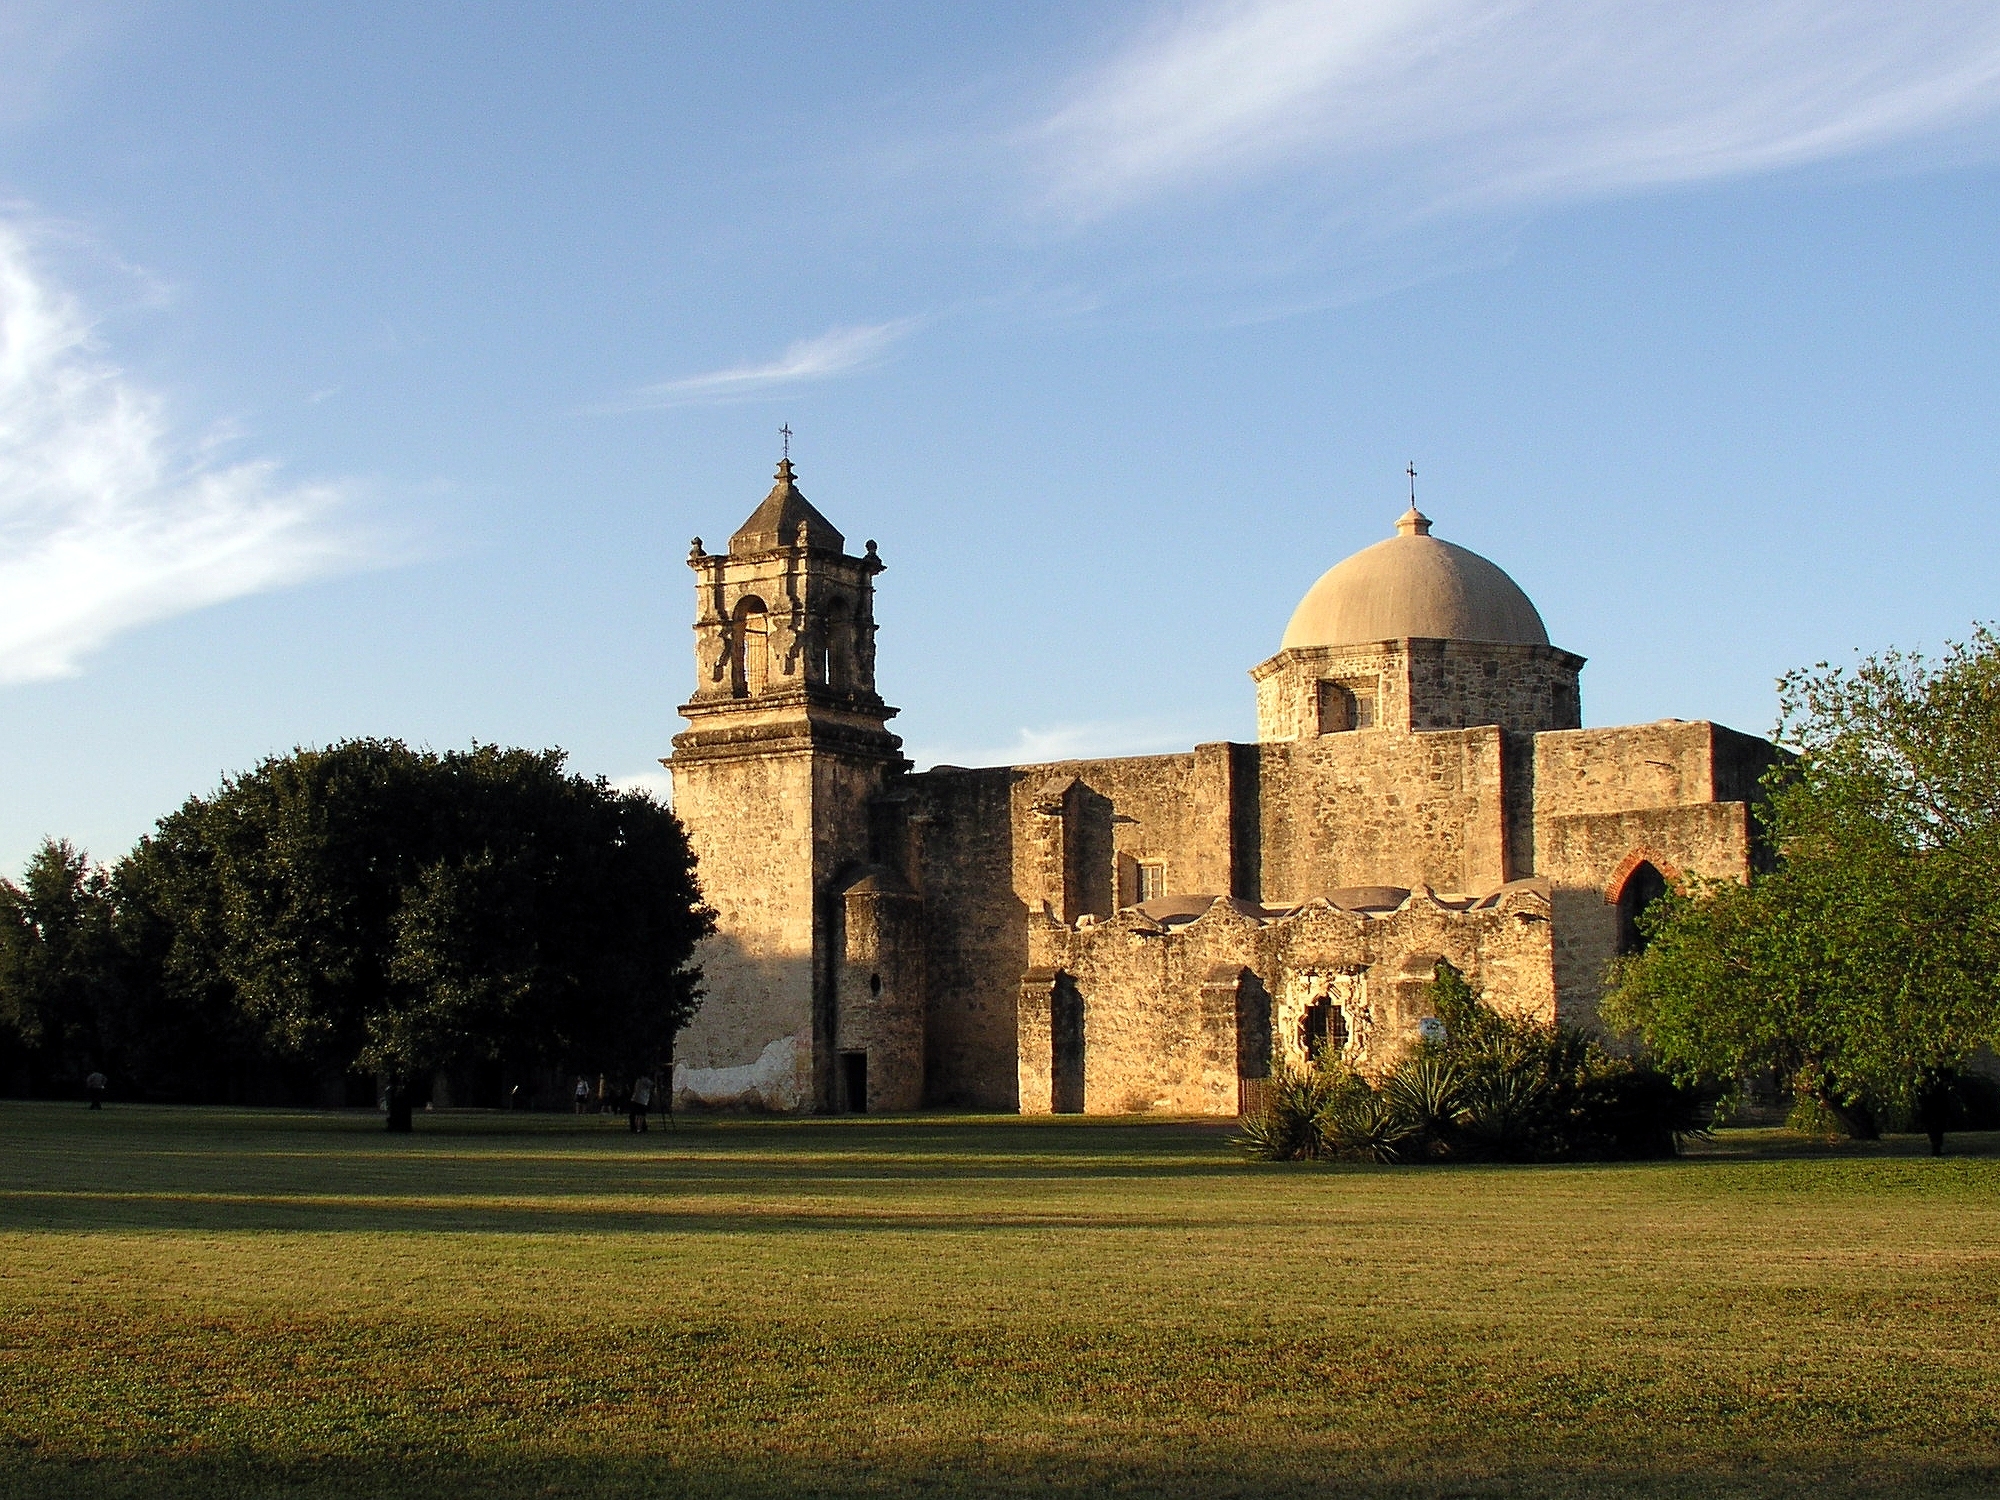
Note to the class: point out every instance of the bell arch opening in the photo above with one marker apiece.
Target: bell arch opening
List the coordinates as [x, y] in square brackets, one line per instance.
[749, 647]
[836, 667]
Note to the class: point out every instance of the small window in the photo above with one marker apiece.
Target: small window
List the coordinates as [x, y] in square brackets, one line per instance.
[1152, 881]
[1323, 1030]
[1344, 706]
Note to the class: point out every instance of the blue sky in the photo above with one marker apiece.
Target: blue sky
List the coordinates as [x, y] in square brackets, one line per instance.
[366, 370]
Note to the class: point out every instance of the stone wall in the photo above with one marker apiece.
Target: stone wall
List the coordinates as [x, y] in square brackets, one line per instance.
[880, 994]
[1380, 808]
[1423, 684]
[1585, 854]
[961, 862]
[1456, 684]
[750, 1044]
[1676, 794]
[1163, 1011]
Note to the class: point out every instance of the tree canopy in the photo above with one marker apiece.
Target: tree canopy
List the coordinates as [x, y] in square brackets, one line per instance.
[376, 907]
[1863, 968]
[55, 959]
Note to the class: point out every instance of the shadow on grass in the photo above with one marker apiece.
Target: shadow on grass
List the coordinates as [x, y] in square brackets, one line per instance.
[87, 1213]
[70, 1171]
[987, 1472]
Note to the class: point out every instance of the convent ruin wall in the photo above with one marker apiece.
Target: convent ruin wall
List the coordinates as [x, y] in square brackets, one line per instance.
[1180, 1019]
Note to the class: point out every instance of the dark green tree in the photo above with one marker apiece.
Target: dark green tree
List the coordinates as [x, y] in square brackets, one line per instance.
[1864, 966]
[58, 966]
[372, 906]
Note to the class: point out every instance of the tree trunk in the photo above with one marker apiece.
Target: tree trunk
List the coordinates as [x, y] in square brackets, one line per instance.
[1857, 1119]
[1937, 1141]
[399, 1106]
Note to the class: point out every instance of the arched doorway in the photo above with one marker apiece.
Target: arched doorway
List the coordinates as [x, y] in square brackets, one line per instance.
[1066, 1060]
[1643, 885]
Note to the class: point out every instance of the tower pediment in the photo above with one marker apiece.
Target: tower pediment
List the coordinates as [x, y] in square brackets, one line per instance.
[776, 522]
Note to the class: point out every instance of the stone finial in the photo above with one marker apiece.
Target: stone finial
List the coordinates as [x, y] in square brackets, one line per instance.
[1413, 522]
[695, 552]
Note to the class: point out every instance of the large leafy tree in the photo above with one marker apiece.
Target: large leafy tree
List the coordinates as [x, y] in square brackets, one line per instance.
[1864, 967]
[58, 966]
[369, 905]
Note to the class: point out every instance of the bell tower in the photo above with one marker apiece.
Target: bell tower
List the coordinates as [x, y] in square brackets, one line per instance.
[787, 741]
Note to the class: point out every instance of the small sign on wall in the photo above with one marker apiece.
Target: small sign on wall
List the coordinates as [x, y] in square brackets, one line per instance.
[1431, 1029]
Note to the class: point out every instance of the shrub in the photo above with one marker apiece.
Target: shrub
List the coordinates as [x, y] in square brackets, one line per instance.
[1289, 1126]
[1494, 1088]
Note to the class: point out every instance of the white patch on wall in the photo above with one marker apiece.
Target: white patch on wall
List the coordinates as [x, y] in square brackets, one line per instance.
[780, 1079]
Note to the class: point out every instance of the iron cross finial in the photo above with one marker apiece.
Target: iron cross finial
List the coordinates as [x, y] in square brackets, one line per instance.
[1412, 472]
[785, 432]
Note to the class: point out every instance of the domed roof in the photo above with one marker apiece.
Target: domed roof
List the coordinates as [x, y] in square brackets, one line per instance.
[1414, 585]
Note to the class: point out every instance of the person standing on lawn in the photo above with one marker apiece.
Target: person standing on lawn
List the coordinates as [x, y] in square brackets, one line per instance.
[638, 1104]
[95, 1085]
[582, 1093]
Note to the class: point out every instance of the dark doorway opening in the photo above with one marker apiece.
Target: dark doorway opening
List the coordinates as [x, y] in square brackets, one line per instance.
[854, 1081]
[1643, 887]
[1322, 1029]
[1066, 1047]
[1253, 1044]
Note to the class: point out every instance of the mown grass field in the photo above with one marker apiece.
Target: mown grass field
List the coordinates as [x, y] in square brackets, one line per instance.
[257, 1303]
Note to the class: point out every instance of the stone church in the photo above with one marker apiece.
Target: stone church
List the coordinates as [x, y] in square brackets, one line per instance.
[1159, 932]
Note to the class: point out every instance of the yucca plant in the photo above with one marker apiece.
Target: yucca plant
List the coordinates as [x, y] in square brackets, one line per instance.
[1289, 1127]
[1428, 1094]
[1359, 1124]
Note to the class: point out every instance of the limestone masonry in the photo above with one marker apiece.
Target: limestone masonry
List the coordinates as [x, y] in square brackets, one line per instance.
[1158, 932]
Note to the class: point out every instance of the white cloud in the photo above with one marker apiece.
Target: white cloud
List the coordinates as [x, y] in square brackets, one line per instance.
[838, 351]
[106, 520]
[1439, 103]
[1078, 740]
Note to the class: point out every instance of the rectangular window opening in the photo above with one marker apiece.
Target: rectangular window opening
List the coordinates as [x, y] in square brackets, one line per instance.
[1152, 882]
[1346, 705]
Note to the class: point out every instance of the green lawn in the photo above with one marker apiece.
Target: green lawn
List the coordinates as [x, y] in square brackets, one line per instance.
[210, 1302]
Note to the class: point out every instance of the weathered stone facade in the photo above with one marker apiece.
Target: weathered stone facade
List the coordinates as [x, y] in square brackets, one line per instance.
[1156, 932]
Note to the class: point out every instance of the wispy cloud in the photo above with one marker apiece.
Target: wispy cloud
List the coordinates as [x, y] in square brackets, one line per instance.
[838, 351]
[107, 519]
[1428, 104]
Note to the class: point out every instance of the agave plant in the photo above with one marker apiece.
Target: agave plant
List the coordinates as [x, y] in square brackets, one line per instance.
[1360, 1124]
[1427, 1093]
[1507, 1113]
[1289, 1126]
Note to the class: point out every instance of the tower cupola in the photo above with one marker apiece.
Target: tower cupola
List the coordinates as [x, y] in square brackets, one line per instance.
[786, 613]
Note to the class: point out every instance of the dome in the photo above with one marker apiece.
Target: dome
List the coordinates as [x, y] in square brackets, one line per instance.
[1414, 585]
